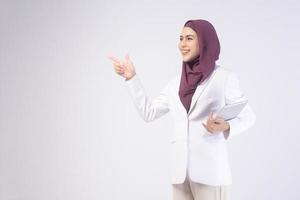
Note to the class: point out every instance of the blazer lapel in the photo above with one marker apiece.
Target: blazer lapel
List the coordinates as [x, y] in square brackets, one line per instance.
[199, 90]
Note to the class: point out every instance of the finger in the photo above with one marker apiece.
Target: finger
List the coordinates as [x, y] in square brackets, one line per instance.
[210, 116]
[127, 57]
[208, 119]
[209, 123]
[207, 127]
[118, 66]
[218, 127]
[123, 63]
[218, 120]
[114, 59]
[120, 72]
[119, 69]
[211, 129]
[211, 120]
[213, 116]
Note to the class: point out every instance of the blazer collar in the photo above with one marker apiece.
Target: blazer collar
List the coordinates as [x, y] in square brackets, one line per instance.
[200, 89]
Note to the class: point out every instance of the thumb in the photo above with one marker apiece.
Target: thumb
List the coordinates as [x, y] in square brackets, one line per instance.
[127, 57]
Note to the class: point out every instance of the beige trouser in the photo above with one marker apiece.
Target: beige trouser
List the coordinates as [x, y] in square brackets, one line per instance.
[196, 191]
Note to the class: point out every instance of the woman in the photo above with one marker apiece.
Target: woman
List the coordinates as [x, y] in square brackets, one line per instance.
[200, 168]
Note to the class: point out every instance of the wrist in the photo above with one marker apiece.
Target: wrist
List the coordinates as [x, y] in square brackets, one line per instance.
[128, 78]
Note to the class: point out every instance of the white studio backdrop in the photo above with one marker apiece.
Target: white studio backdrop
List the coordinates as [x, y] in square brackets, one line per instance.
[68, 128]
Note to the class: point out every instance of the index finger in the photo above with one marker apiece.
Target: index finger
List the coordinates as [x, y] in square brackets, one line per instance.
[114, 59]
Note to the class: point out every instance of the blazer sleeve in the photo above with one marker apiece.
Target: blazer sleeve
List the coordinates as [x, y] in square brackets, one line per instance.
[234, 94]
[148, 110]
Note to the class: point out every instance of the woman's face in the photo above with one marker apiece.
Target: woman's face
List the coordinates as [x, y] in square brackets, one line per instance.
[188, 44]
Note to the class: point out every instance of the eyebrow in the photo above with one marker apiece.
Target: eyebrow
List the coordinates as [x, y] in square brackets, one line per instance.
[187, 35]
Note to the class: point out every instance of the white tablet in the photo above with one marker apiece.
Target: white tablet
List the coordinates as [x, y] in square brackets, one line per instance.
[231, 111]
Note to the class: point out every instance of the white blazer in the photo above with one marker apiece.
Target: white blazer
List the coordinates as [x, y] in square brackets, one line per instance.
[195, 151]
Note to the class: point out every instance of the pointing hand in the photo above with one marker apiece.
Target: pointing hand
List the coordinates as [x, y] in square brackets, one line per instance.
[124, 67]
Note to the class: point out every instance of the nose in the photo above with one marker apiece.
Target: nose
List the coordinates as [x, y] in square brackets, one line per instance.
[182, 43]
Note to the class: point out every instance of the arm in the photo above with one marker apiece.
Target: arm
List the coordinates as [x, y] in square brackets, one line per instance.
[148, 110]
[247, 117]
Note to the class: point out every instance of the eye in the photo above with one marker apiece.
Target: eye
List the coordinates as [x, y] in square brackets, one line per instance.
[190, 38]
[180, 39]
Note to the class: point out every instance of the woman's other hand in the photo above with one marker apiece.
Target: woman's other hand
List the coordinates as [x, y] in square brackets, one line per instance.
[123, 68]
[216, 124]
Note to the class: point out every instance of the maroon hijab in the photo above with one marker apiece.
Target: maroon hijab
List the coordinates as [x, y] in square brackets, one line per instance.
[197, 70]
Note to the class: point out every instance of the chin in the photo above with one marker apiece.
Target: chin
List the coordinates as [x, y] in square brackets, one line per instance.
[186, 59]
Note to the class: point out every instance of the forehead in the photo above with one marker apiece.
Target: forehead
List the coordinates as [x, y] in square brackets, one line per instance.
[188, 31]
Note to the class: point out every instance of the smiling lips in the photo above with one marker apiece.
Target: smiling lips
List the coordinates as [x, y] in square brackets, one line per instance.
[185, 51]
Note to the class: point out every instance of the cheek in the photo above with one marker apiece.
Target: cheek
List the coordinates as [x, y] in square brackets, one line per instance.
[196, 48]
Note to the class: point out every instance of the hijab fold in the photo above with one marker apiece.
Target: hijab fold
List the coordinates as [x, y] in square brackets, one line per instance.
[196, 71]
